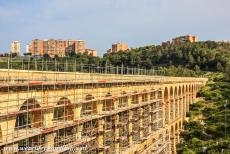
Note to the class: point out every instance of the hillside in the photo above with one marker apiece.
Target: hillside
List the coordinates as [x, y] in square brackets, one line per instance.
[205, 56]
[188, 59]
[208, 128]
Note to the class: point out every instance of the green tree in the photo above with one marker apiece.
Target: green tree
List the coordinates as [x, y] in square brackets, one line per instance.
[219, 67]
[46, 56]
[227, 68]
[190, 59]
[197, 68]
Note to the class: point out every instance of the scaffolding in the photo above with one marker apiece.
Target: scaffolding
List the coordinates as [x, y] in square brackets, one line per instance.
[109, 139]
[123, 130]
[53, 104]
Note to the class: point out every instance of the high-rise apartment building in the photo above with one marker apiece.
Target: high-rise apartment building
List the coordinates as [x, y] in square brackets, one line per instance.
[80, 46]
[37, 47]
[15, 47]
[27, 48]
[119, 47]
[54, 47]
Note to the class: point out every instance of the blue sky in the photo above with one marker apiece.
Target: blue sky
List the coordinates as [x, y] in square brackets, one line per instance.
[103, 22]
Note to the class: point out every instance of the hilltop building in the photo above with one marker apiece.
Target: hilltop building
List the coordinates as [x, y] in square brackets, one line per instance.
[119, 47]
[181, 39]
[184, 39]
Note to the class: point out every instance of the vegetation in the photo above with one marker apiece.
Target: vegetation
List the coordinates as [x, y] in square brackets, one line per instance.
[208, 130]
[205, 56]
[200, 56]
[175, 60]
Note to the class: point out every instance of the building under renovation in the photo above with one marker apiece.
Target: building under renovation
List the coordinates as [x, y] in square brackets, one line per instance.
[90, 113]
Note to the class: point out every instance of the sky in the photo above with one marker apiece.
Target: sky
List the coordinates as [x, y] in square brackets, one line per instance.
[103, 22]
